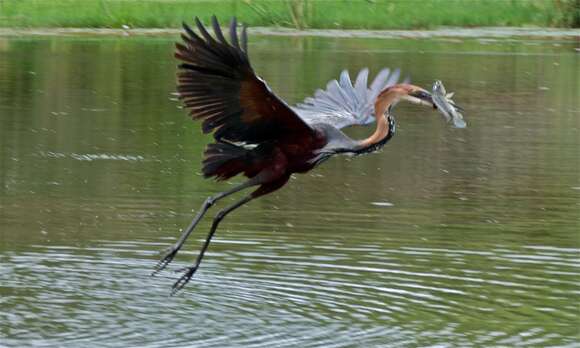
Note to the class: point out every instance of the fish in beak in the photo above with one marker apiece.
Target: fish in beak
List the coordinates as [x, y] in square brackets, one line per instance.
[443, 102]
[440, 100]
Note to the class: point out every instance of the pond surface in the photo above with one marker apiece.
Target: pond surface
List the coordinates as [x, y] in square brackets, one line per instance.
[447, 238]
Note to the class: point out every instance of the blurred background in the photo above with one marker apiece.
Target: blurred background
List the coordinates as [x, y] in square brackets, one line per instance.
[347, 14]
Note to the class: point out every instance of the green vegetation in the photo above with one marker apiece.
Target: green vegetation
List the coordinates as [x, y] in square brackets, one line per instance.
[346, 14]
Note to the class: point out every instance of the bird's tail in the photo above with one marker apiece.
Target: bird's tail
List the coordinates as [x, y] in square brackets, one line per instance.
[224, 160]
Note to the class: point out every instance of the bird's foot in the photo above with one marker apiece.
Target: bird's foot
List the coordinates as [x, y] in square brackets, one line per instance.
[168, 256]
[185, 278]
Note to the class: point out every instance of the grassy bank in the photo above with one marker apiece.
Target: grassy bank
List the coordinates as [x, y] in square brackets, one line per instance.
[347, 14]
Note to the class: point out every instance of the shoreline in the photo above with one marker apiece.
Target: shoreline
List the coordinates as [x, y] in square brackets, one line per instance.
[480, 32]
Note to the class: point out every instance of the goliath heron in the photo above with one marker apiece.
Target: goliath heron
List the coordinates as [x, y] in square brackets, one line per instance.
[258, 135]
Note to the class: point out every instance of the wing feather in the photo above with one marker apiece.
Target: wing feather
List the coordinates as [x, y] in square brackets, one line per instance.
[343, 104]
[348, 90]
[361, 84]
[216, 82]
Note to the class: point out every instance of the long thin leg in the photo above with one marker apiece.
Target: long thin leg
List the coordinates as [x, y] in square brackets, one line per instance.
[169, 253]
[189, 271]
[262, 190]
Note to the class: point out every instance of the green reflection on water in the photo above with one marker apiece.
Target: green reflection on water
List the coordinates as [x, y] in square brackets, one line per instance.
[99, 169]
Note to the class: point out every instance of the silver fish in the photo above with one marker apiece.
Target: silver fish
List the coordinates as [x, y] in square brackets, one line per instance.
[446, 106]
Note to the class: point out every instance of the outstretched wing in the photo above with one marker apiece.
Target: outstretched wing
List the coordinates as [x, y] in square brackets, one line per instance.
[343, 104]
[218, 85]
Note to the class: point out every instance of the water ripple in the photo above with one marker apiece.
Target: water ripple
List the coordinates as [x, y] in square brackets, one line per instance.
[305, 291]
[92, 156]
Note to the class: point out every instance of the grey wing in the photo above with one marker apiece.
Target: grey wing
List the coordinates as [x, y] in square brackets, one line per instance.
[343, 104]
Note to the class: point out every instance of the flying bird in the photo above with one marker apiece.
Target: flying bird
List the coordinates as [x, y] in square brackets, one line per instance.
[260, 136]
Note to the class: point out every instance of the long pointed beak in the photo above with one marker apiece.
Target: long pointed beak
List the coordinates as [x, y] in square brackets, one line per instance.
[422, 97]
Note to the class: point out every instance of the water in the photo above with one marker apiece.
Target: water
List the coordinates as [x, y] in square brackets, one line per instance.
[446, 238]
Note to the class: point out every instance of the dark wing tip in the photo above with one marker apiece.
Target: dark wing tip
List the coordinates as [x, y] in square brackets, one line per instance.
[245, 38]
[187, 28]
[234, 40]
[218, 31]
[201, 28]
[233, 33]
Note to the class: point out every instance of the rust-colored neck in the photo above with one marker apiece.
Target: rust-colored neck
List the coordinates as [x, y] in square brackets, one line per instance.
[384, 100]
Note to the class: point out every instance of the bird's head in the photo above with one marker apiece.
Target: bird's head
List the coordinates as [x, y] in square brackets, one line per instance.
[438, 99]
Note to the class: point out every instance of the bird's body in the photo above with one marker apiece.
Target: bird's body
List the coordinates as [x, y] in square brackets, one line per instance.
[285, 156]
[258, 135]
